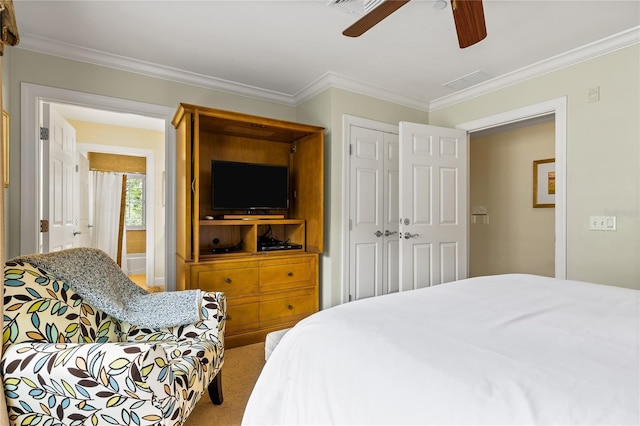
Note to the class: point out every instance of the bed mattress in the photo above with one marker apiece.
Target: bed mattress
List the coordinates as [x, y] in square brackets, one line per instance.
[506, 349]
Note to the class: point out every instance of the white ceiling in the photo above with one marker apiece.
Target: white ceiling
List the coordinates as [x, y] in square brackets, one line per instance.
[283, 51]
[112, 118]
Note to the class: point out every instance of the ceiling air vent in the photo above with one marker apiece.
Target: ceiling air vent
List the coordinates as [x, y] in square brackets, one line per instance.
[357, 7]
[468, 80]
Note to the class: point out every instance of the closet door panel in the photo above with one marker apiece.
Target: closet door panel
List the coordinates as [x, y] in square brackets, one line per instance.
[366, 213]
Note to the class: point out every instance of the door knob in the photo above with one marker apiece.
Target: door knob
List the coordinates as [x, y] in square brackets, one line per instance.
[378, 234]
[408, 235]
[76, 233]
[387, 233]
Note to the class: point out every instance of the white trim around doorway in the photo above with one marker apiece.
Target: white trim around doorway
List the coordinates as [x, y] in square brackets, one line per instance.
[31, 96]
[557, 107]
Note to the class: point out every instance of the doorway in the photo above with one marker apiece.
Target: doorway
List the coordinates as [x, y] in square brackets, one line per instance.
[507, 232]
[31, 96]
[145, 252]
[556, 107]
[405, 207]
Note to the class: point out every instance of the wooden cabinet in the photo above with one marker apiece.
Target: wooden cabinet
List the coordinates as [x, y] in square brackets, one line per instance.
[229, 232]
[266, 290]
[264, 293]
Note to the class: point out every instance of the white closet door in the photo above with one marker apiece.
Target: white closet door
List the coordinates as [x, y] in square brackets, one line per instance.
[391, 240]
[366, 213]
[373, 239]
[433, 205]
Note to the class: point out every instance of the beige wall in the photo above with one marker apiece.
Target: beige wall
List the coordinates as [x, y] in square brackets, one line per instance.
[602, 153]
[325, 109]
[46, 70]
[3, 405]
[6, 79]
[603, 157]
[136, 241]
[514, 237]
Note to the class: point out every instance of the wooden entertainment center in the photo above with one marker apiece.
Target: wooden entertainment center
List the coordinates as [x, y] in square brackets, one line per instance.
[268, 288]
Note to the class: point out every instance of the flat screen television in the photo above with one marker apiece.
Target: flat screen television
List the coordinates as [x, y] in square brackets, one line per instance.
[249, 186]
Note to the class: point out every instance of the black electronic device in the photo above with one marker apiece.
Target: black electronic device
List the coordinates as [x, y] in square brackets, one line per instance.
[279, 246]
[229, 249]
[266, 242]
[249, 186]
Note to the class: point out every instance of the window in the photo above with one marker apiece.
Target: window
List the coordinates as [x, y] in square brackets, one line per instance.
[134, 213]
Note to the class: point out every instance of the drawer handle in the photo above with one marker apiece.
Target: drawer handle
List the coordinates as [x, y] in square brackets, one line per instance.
[227, 280]
[289, 306]
[289, 274]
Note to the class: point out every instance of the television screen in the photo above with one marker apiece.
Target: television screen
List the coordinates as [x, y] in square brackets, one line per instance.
[246, 186]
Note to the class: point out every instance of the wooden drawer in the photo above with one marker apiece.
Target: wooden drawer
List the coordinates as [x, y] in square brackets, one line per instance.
[278, 272]
[264, 293]
[242, 317]
[234, 281]
[287, 306]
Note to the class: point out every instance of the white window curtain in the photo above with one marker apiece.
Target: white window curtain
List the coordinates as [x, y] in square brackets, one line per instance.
[104, 204]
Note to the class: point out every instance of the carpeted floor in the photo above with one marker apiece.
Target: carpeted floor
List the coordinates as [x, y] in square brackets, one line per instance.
[241, 369]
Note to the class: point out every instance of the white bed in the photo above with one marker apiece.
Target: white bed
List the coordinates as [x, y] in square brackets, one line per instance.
[506, 349]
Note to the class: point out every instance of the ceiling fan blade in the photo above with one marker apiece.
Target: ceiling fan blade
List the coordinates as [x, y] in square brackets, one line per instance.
[469, 18]
[376, 15]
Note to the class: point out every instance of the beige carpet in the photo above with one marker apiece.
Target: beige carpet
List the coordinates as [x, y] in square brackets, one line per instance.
[241, 369]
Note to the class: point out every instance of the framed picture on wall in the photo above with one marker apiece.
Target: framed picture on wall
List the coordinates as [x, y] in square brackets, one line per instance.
[5, 147]
[544, 183]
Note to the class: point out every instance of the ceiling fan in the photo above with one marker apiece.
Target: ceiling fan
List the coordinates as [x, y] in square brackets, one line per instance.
[468, 16]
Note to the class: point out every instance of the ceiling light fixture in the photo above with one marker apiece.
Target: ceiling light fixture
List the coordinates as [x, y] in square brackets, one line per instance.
[439, 4]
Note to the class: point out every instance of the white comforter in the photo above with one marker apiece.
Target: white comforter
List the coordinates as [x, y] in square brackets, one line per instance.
[508, 349]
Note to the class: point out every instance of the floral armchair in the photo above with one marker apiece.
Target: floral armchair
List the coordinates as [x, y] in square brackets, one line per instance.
[67, 363]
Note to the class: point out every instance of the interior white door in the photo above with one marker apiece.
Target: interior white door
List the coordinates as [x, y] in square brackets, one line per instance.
[433, 205]
[373, 210]
[58, 156]
[391, 217]
[82, 231]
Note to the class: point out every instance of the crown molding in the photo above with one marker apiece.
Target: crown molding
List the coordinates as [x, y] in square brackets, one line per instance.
[333, 80]
[123, 63]
[563, 60]
[329, 79]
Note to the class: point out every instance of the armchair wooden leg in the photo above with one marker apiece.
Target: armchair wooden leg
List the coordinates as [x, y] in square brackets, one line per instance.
[215, 389]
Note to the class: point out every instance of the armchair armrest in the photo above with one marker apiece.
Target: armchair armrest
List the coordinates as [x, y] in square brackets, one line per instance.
[213, 311]
[95, 381]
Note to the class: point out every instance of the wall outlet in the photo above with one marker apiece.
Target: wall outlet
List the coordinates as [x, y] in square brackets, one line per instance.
[602, 223]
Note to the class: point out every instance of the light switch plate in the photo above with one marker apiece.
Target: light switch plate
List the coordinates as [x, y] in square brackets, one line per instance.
[479, 210]
[602, 223]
